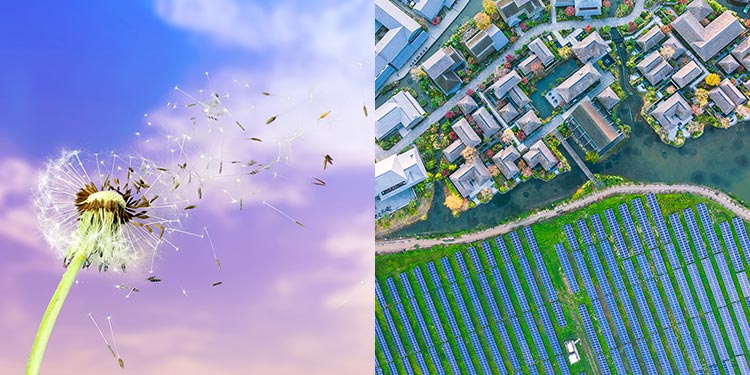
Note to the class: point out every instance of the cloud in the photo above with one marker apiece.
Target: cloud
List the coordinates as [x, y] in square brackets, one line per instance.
[17, 220]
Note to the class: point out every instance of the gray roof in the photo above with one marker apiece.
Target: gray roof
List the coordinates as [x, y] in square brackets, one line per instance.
[398, 173]
[687, 74]
[467, 104]
[440, 66]
[470, 178]
[651, 38]
[597, 127]
[578, 82]
[519, 97]
[506, 161]
[400, 27]
[481, 43]
[654, 67]
[486, 122]
[728, 64]
[707, 41]
[508, 112]
[540, 154]
[591, 47]
[430, 8]
[675, 44]
[401, 110]
[453, 151]
[529, 122]
[501, 87]
[525, 64]
[511, 10]
[608, 98]
[742, 52]
[726, 96]
[541, 50]
[464, 131]
[672, 113]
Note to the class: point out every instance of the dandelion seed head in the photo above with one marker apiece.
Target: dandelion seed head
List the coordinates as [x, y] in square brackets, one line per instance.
[115, 210]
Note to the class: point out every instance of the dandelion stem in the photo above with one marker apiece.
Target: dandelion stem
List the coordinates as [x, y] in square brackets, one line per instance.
[53, 310]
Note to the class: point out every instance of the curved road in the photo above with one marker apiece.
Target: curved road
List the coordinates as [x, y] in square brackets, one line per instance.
[721, 198]
[484, 74]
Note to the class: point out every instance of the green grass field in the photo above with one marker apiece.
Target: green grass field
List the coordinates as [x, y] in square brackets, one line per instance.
[548, 234]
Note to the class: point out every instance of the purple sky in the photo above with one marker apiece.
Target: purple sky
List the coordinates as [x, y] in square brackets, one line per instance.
[293, 300]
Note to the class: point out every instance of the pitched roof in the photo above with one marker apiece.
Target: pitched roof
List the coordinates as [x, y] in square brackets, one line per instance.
[470, 178]
[511, 10]
[525, 64]
[541, 50]
[591, 47]
[707, 41]
[676, 46]
[399, 172]
[464, 131]
[401, 110]
[687, 74]
[726, 96]
[540, 154]
[505, 83]
[467, 104]
[651, 38]
[400, 27]
[440, 66]
[508, 112]
[483, 42]
[673, 112]
[529, 122]
[600, 131]
[429, 8]
[608, 98]
[742, 52]
[486, 122]
[728, 64]
[654, 67]
[506, 161]
[453, 151]
[578, 82]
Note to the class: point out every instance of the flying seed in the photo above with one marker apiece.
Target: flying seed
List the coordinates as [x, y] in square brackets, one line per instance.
[121, 363]
[221, 166]
[324, 115]
[161, 169]
[240, 125]
[217, 283]
[240, 204]
[270, 120]
[190, 105]
[256, 139]
[153, 279]
[200, 192]
[327, 159]
[318, 182]
[190, 207]
[364, 109]
[266, 93]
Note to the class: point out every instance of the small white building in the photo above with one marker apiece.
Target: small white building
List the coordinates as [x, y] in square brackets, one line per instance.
[400, 112]
[398, 173]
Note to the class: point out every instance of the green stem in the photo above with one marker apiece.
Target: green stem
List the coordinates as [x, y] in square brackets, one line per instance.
[50, 315]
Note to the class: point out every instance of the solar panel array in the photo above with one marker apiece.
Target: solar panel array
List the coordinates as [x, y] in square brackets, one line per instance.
[682, 241]
[384, 346]
[434, 357]
[708, 227]
[549, 287]
[584, 229]
[695, 233]
[571, 236]
[405, 324]
[394, 334]
[614, 228]
[739, 228]
[427, 298]
[734, 252]
[630, 230]
[598, 227]
[378, 370]
[640, 213]
[566, 268]
[661, 225]
[588, 326]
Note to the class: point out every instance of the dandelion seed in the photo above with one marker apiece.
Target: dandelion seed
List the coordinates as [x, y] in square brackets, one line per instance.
[324, 115]
[255, 139]
[327, 159]
[266, 93]
[284, 214]
[153, 279]
[102, 335]
[318, 182]
[190, 207]
[114, 343]
[270, 120]
[240, 125]
[213, 249]
[217, 283]
[364, 109]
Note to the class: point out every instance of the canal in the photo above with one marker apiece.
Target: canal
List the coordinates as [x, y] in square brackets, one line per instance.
[719, 158]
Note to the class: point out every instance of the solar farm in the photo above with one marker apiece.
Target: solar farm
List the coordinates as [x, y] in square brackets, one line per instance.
[629, 289]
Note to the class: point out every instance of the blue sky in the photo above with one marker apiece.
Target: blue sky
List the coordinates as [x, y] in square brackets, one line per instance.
[82, 74]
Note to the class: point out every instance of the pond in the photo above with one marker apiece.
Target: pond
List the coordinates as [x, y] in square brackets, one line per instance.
[720, 158]
[562, 70]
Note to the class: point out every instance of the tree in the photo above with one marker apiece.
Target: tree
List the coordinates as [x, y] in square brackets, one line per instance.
[454, 202]
[489, 7]
[631, 26]
[588, 29]
[701, 97]
[417, 73]
[724, 122]
[713, 79]
[494, 170]
[666, 29]
[450, 115]
[485, 195]
[565, 52]
[570, 11]
[482, 20]
[469, 153]
[537, 68]
[592, 157]
[606, 4]
[667, 52]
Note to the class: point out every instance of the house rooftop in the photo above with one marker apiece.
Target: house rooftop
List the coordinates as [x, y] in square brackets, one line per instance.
[486, 122]
[709, 40]
[482, 43]
[675, 45]
[726, 96]
[501, 87]
[688, 73]
[673, 112]
[540, 154]
[578, 82]
[591, 48]
[654, 67]
[464, 132]
[398, 172]
[541, 51]
[651, 38]
[608, 98]
[529, 122]
[453, 151]
[401, 110]
[470, 178]
[600, 131]
[728, 64]
[506, 161]
[440, 67]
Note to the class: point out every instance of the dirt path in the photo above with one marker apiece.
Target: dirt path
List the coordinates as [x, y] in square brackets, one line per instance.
[717, 196]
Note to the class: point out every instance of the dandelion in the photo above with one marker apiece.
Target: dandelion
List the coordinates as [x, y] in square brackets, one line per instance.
[108, 212]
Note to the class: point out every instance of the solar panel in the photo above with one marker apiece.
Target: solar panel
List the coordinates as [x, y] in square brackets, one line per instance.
[378, 370]
[598, 270]
[394, 333]
[405, 323]
[640, 213]
[588, 327]
[479, 352]
[742, 364]
[530, 239]
[566, 268]
[451, 358]
[588, 284]
[679, 318]
[465, 355]
[598, 227]
[504, 254]
[744, 284]
[646, 355]
[713, 327]
[609, 258]
[478, 311]
[682, 241]
[734, 340]
[461, 265]
[726, 277]
[499, 362]
[421, 323]
[734, 253]
[703, 341]
[572, 240]
[503, 291]
[446, 264]
[656, 213]
[630, 230]
[603, 366]
[383, 344]
[443, 298]
[742, 320]
[614, 228]
[515, 282]
[535, 336]
[474, 256]
[713, 282]
[632, 358]
[708, 226]
[379, 295]
[549, 287]
[521, 339]
[557, 310]
[739, 228]
[563, 368]
[661, 269]
[430, 305]
[526, 269]
[584, 229]
[435, 357]
[695, 233]
[609, 338]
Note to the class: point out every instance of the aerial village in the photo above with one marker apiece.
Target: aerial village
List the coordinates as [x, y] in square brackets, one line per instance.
[521, 90]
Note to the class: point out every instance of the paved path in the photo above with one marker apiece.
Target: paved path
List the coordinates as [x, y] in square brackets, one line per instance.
[581, 165]
[484, 74]
[721, 198]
